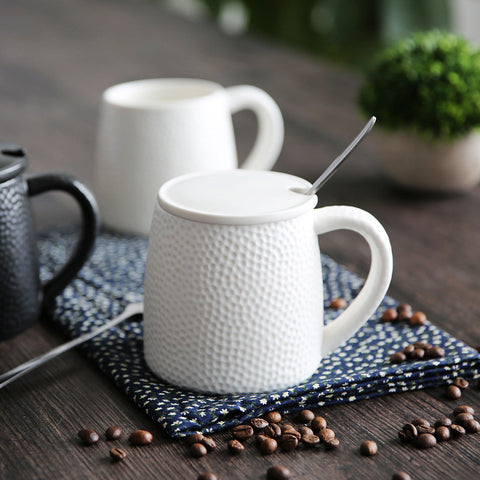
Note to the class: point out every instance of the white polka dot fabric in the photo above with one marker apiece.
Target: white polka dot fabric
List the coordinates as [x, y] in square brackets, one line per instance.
[359, 369]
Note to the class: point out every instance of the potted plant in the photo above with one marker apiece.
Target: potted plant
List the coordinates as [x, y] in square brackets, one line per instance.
[425, 92]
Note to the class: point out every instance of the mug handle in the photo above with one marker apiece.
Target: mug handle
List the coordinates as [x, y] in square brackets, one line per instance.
[41, 183]
[362, 307]
[269, 139]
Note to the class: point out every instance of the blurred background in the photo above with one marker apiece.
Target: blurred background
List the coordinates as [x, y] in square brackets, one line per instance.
[345, 31]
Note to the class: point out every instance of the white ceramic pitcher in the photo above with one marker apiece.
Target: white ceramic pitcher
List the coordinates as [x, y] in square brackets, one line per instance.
[233, 285]
[154, 130]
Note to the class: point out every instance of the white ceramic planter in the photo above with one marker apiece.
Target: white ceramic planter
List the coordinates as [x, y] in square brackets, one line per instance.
[423, 165]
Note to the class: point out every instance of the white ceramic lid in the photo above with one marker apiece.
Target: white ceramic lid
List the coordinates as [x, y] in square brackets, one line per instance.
[236, 197]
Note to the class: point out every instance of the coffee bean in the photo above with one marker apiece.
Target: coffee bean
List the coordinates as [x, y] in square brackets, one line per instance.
[453, 392]
[273, 417]
[194, 438]
[461, 418]
[461, 383]
[209, 444]
[408, 350]
[117, 454]
[424, 429]
[443, 422]
[317, 424]
[310, 440]
[463, 409]
[305, 430]
[286, 426]
[403, 437]
[401, 476]
[326, 434]
[471, 426]
[198, 450]
[305, 416]
[425, 440]
[242, 432]
[418, 354]
[368, 448]
[140, 437]
[207, 476]
[337, 303]
[88, 437]
[288, 442]
[410, 432]
[268, 446]
[277, 472]
[113, 433]
[442, 433]
[272, 430]
[422, 344]
[417, 319]
[421, 421]
[404, 311]
[258, 423]
[435, 352]
[331, 444]
[234, 446]
[389, 315]
[293, 432]
[398, 357]
[456, 431]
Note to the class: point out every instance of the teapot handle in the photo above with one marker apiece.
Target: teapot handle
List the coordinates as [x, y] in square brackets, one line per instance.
[331, 218]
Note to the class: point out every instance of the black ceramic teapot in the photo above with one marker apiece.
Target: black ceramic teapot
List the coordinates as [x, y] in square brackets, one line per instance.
[22, 296]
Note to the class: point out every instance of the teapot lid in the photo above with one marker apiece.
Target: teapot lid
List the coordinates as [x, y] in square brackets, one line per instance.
[13, 161]
[236, 197]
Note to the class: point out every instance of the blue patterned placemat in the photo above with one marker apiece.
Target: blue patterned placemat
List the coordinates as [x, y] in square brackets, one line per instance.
[360, 369]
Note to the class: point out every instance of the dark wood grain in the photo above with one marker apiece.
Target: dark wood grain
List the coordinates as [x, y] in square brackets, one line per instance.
[56, 58]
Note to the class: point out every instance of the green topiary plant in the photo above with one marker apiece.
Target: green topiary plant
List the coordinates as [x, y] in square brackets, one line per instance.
[427, 83]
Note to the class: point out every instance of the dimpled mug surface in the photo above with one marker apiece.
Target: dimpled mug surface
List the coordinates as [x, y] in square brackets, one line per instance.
[233, 282]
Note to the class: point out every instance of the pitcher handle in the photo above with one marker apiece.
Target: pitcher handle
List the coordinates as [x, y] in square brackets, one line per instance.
[362, 307]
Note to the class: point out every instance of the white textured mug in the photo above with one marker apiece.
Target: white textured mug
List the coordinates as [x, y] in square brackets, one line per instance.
[233, 281]
[153, 130]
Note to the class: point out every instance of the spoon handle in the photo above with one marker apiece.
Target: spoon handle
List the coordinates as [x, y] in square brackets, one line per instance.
[17, 372]
[336, 163]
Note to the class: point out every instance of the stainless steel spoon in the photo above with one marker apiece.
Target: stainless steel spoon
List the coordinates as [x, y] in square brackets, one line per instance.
[322, 179]
[17, 372]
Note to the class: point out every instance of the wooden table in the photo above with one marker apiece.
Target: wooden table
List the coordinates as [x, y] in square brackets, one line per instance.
[56, 58]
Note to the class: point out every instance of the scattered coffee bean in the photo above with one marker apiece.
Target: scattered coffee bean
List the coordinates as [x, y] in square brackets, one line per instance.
[442, 433]
[140, 437]
[326, 435]
[273, 417]
[209, 444]
[113, 433]
[404, 311]
[305, 430]
[463, 409]
[422, 344]
[268, 446]
[425, 429]
[310, 441]
[403, 437]
[88, 437]
[418, 353]
[273, 430]
[317, 424]
[260, 438]
[401, 476]
[288, 442]
[198, 450]
[443, 422]
[410, 432]
[277, 472]
[293, 432]
[207, 476]
[389, 315]
[117, 454]
[194, 438]
[453, 392]
[234, 446]
[461, 383]
[337, 303]
[417, 319]
[286, 426]
[331, 444]
[461, 418]
[434, 352]
[471, 426]
[368, 448]
[258, 423]
[305, 416]
[398, 357]
[242, 432]
[425, 440]
[408, 350]
[456, 431]
[421, 421]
